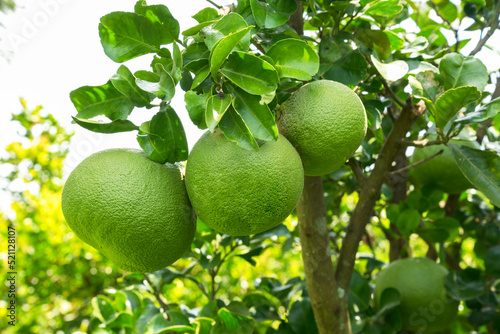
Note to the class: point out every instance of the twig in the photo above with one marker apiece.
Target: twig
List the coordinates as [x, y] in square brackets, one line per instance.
[391, 174]
[214, 4]
[455, 31]
[421, 143]
[358, 171]
[493, 26]
[198, 284]
[159, 297]
[386, 86]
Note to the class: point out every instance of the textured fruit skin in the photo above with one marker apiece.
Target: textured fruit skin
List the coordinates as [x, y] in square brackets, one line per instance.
[241, 192]
[130, 208]
[425, 306]
[326, 122]
[441, 171]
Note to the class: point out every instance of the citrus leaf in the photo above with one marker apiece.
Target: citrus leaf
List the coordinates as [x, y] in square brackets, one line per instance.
[449, 103]
[385, 8]
[426, 85]
[460, 289]
[235, 129]
[160, 84]
[115, 126]
[234, 322]
[200, 76]
[301, 317]
[194, 30]
[91, 101]
[408, 221]
[294, 58]
[195, 105]
[256, 115]
[459, 71]
[165, 140]
[376, 40]
[389, 299]
[206, 14]
[250, 73]
[216, 108]
[492, 261]
[224, 47]
[265, 16]
[348, 70]
[488, 111]
[194, 52]
[124, 82]
[229, 24]
[481, 168]
[433, 234]
[122, 319]
[102, 308]
[125, 36]
[392, 71]
[162, 19]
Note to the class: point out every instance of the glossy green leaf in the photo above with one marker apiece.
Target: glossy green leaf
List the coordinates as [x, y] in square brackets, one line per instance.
[449, 103]
[359, 292]
[334, 47]
[235, 129]
[194, 52]
[396, 41]
[486, 112]
[283, 7]
[492, 261]
[125, 36]
[162, 19]
[162, 84]
[124, 82]
[459, 71]
[294, 58]
[348, 70]
[389, 299]
[194, 30]
[433, 234]
[301, 317]
[447, 10]
[102, 308]
[164, 139]
[216, 108]
[265, 16]
[118, 125]
[195, 105]
[425, 84]
[121, 320]
[224, 47]
[385, 8]
[250, 73]
[234, 322]
[256, 115]
[206, 14]
[392, 71]
[376, 40]
[408, 221]
[200, 76]
[451, 225]
[229, 24]
[177, 60]
[91, 101]
[482, 169]
[459, 288]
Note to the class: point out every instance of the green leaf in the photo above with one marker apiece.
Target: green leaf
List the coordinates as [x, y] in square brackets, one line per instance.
[200, 76]
[159, 325]
[194, 30]
[216, 108]
[392, 71]
[433, 234]
[115, 126]
[265, 16]
[459, 288]
[224, 47]
[165, 140]
[481, 168]
[359, 292]
[486, 112]
[206, 14]
[385, 8]
[229, 24]
[121, 320]
[235, 129]
[376, 40]
[283, 7]
[389, 299]
[102, 308]
[248, 256]
[162, 84]
[162, 19]
[408, 221]
[91, 101]
[454, 99]
[294, 58]
[124, 82]
[194, 52]
[451, 225]
[250, 73]
[125, 36]
[447, 10]
[425, 84]
[234, 322]
[348, 70]
[195, 105]
[459, 71]
[334, 47]
[492, 261]
[396, 41]
[301, 317]
[256, 115]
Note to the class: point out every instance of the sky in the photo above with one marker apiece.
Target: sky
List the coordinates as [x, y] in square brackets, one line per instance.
[50, 47]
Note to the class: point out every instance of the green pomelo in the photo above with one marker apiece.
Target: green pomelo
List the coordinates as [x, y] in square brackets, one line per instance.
[441, 171]
[241, 192]
[425, 306]
[132, 209]
[326, 122]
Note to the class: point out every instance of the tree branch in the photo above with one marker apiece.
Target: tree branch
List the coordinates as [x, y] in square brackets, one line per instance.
[159, 297]
[493, 26]
[369, 194]
[358, 171]
[404, 169]
[421, 143]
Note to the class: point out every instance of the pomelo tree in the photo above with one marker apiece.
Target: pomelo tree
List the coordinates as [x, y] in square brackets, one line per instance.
[420, 84]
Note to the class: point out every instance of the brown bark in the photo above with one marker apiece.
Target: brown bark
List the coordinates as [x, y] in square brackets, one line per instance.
[316, 255]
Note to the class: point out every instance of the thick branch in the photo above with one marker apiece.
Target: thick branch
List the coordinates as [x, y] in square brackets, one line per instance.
[370, 192]
[316, 255]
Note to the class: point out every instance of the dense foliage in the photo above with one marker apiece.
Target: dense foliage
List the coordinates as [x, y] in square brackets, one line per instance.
[236, 70]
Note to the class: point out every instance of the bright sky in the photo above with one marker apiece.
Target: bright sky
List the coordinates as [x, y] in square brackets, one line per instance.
[53, 47]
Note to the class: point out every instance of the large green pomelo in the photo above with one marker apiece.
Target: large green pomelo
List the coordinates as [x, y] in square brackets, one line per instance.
[240, 192]
[130, 208]
[326, 122]
[425, 306]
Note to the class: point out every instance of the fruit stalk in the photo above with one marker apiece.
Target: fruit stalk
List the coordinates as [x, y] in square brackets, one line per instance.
[316, 255]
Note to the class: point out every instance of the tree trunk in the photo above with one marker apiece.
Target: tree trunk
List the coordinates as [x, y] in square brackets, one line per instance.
[316, 254]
